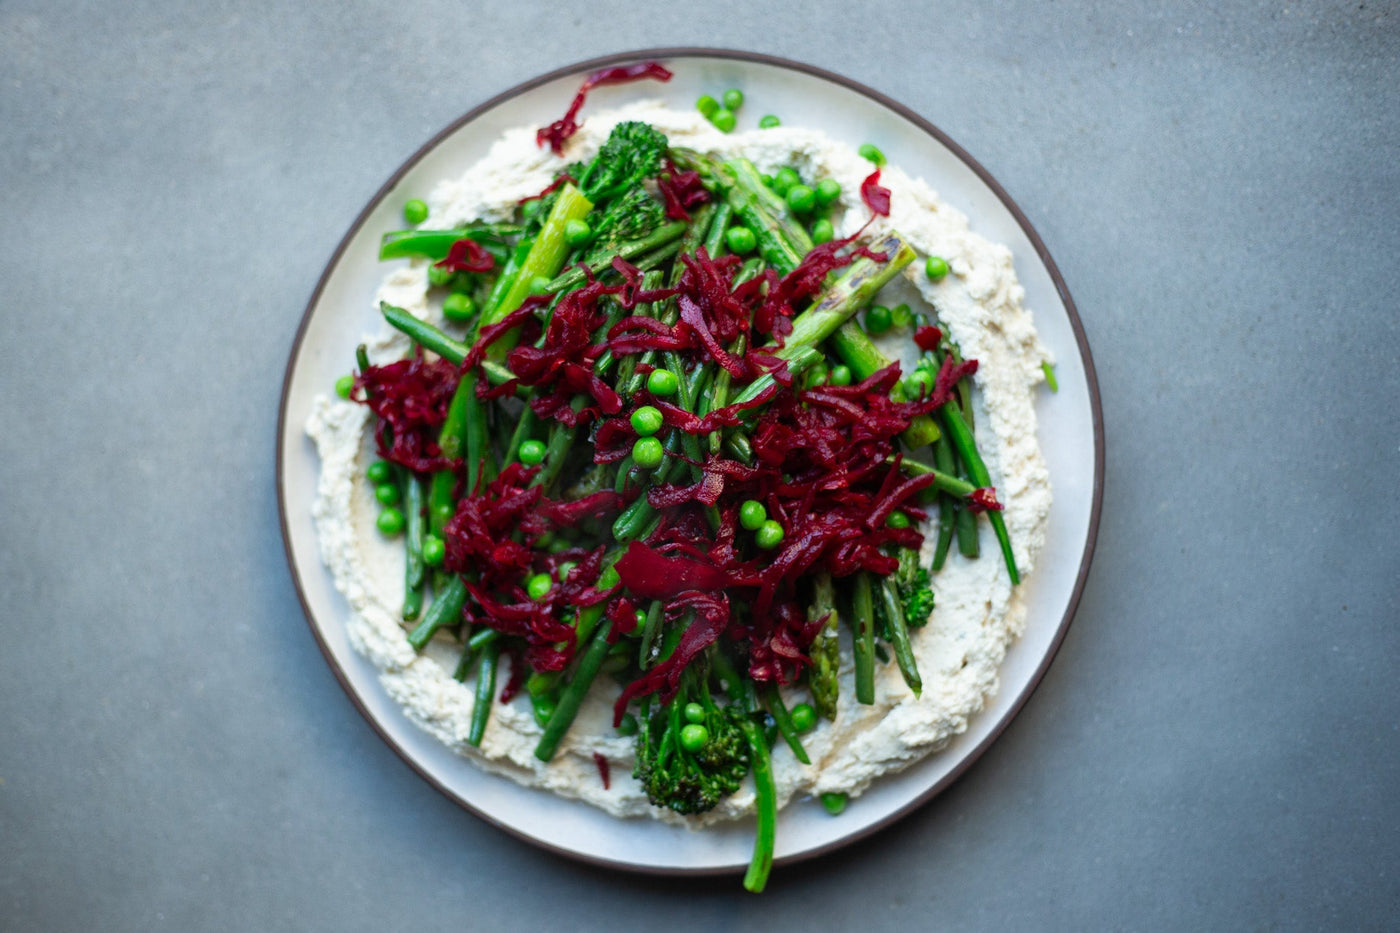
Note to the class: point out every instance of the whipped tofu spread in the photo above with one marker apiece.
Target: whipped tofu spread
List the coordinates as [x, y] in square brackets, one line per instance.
[978, 613]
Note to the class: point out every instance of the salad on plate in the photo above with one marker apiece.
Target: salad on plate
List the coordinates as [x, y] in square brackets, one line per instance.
[692, 471]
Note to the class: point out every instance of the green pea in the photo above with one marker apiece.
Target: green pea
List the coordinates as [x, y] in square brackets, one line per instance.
[694, 712]
[784, 179]
[531, 452]
[439, 276]
[544, 708]
[769, 535]
[434, 551]
[608, 579]
[577, 232]
[458, 307]
[531, 207]
[723, 120]
[387, 493]
[344, 385]
[814, 377]
[694, 736]
[766, 179]
[539, 285]
[752, 515]
[733, 98]
[918, 383]
[822, 231]
[801, 199]
[390, 521]
[707, 105]
[868, 151]
[740, 240]
[834, 803]
[647, 453]
[566, 568]
[897, 520]
[539, 586]
[840, 375]
[628, 726]
[415, 211]
[935, 267]
[901, 316]
[444, 513]
[662, 382]
[828, 190]
[877, 319]
[380, 471]
[647, 420]
[768, 121]
[804, 717]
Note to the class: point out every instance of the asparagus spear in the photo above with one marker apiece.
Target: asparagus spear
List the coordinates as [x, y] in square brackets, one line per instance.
[826, 649]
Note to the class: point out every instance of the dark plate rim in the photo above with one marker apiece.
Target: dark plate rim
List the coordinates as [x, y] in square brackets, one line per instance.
[1076, 325]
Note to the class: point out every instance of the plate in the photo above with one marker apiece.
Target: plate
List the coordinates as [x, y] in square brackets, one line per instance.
[342, 308]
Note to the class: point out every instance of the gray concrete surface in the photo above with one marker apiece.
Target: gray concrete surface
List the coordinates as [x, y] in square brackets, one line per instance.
[1216, 745]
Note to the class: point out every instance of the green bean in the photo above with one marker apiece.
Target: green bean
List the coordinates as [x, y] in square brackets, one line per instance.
[943, 459]
[650, 627]
[485, 692]
[523, 429]
[899, 635]
[573, 694]
[863, 622]
[719, 222]
[413, 545]
[435, 244]
[431, 338]
[966, 447]
[469, 651]
[445, 610]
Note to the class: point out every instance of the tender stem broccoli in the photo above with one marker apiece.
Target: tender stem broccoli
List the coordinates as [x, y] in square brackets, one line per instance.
[633, 152]
[912, 584]
[679, 767]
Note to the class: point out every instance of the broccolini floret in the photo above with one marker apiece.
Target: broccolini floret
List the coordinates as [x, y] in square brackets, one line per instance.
[679, 778]
[915, 591]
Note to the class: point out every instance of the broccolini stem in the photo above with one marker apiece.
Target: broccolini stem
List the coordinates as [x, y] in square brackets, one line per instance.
[766, 803]
[430, 338]
[943, 459]
[779, 711]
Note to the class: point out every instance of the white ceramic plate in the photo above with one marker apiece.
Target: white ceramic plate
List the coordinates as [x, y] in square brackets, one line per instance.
[342, 308]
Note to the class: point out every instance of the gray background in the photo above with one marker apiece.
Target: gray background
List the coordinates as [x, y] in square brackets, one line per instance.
[1215, 746]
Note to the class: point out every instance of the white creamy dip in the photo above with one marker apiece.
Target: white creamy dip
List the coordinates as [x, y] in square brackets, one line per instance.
[978, 613]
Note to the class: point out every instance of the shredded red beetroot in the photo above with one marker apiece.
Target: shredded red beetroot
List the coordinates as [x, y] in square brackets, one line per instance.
[927, 338]
[411, 398]
[467, 255]
[603, 771]
[682, 191]
[984, 499]
[558, 132]
[875, 197]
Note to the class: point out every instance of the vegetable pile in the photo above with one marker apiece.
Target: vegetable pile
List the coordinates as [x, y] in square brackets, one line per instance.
[653, 442]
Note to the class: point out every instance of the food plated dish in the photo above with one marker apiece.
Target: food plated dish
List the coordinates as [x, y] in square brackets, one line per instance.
[336, 319]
